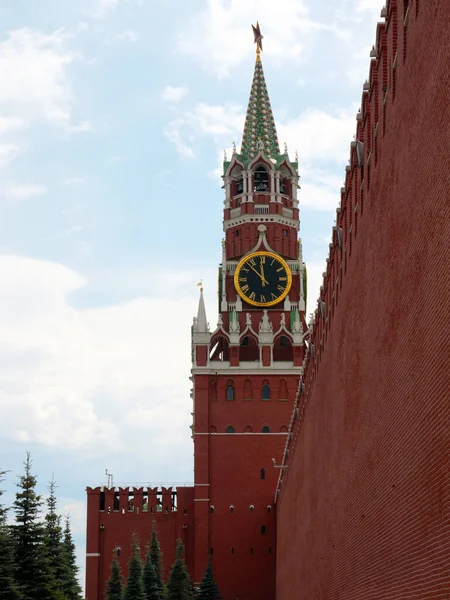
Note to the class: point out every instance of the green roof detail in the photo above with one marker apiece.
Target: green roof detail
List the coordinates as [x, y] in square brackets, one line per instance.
[260, 133]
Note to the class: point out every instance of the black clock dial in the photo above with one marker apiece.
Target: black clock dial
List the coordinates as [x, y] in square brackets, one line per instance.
[262, 278]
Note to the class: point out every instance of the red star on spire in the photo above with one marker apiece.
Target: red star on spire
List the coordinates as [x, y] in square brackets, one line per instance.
[258, 37]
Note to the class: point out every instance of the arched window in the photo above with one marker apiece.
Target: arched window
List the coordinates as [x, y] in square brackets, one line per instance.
[230, 429]
[230, 392]
[265, 429]
[211, 509]
[244, 342]
[263, 474]
[263, 529]
[239, 186]
[252, 508]
[283, 429]
[236, 233]
[284, 341]
[269, 508]
[261, 180]
[231, 509]
[213, 429]
[248, 429]
[232, 549]
[265, 392]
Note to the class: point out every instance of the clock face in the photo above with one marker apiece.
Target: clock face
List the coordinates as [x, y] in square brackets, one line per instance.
[262, 279]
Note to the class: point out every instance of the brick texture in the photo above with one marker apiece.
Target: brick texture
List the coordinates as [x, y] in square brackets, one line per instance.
[364, 509]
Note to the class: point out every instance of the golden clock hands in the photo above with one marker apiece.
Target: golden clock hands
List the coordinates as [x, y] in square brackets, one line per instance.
[263, 279]
[262, 274]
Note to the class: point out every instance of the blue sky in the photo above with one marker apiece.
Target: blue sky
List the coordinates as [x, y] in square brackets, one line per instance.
[114, 115]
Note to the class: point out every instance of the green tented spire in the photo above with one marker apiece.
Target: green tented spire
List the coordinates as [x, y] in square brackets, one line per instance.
[259, 131]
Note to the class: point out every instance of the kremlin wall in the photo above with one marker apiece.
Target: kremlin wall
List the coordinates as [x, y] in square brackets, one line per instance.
[363, 506]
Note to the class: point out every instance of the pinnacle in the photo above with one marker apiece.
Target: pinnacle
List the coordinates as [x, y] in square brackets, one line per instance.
[260, 133]
[201, 324]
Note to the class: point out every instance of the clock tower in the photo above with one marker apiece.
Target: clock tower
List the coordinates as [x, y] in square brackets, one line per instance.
[245, 370]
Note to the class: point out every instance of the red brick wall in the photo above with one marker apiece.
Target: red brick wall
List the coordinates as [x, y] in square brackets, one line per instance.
[364, 510]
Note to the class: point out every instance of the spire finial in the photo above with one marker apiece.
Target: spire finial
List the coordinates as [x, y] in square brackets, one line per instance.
[258, 39]
[200, 285]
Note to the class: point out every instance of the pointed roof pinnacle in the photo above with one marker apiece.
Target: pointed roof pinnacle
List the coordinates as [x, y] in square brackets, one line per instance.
[259, 131]
[201, 324]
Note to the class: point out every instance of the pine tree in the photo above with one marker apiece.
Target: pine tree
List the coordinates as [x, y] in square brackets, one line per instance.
[179, 586]
[53, 541]
[151, 585]
[70, 583]
[114, 587]
[33, 574]
[8, 588]
[156, 560]
[135, 587]
[209, 590]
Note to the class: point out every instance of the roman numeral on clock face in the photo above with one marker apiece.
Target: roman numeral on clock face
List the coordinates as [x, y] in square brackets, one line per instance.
[242, 279]
[280, 289]
[262, 298]
[245, 288]
[282, 279]
[252, 296]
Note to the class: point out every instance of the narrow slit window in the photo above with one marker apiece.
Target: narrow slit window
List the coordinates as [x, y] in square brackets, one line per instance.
[263, 474]
[230, 392]
[263, 529]
[265, 392]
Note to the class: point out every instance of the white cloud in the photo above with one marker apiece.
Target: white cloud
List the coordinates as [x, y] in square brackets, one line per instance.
[222, 123]
[21, 191]
[287, 28]
[370, 5]
[34, 82]
[83, 367]
[10, 124]
[174, 93]
[173, 133]
[129, 35]
[74, 181]
[106, 7]
[8, 152]
[318, 135]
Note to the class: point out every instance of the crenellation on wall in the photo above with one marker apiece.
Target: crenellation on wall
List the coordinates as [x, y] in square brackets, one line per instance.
[393, 224]
[358, 174]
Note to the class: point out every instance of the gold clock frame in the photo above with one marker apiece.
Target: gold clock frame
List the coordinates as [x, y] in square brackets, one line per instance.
[247, 257]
